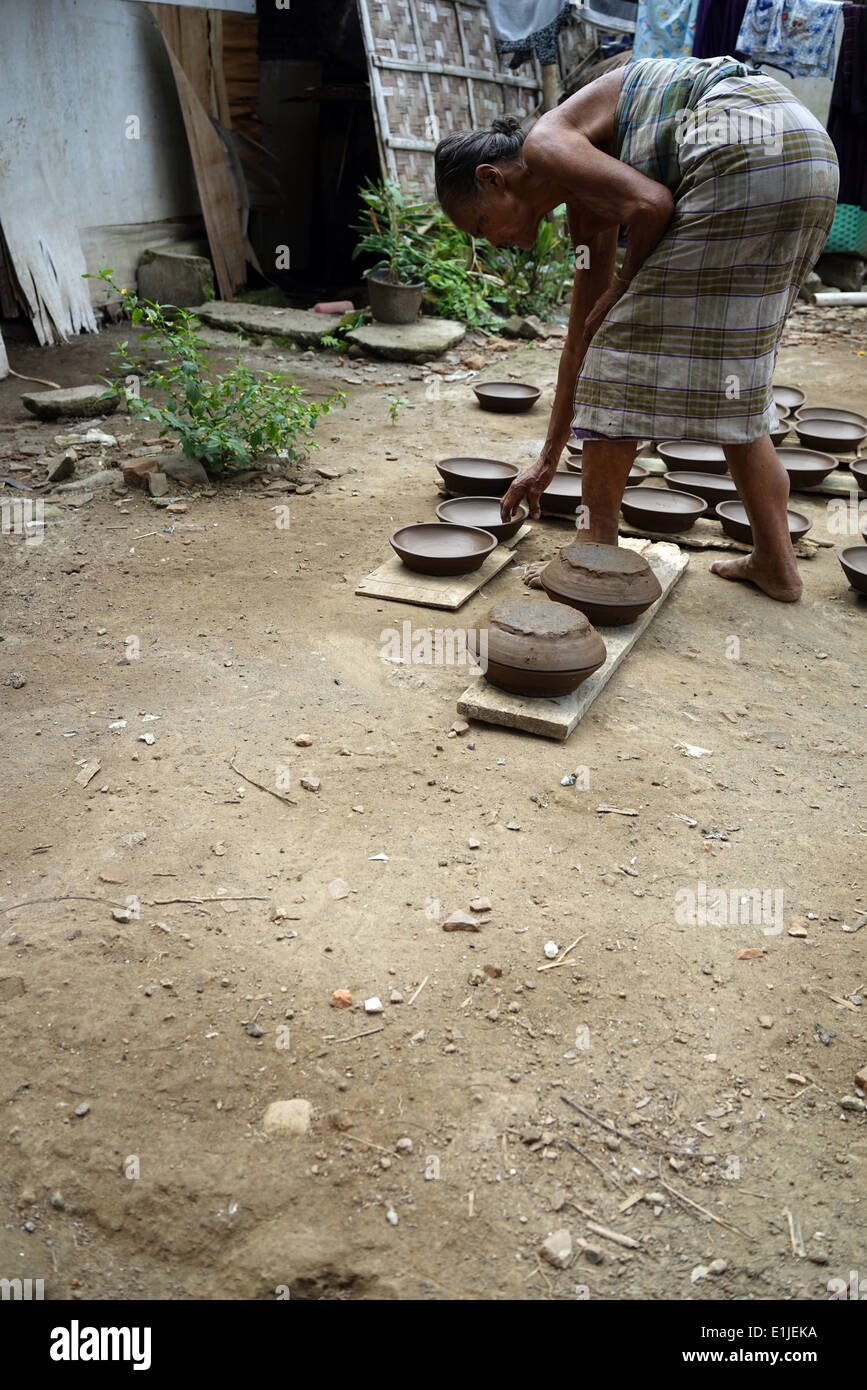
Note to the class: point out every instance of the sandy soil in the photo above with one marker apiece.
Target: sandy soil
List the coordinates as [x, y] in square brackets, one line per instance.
[721, 1076]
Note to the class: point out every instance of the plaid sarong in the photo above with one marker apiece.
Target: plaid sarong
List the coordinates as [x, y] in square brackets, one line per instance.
[689, 350]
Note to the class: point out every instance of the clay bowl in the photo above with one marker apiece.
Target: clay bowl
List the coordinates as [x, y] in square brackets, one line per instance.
[506, 397]
[735, 522]
[786, 425]
[787, 397]
[432, 548]
[609, 584]
[806, 467]
[860, 471]
[659, 509]
[830, 412]
[636, 472]
[696, 454]
[534, 647]
[854, 562]
[575, 448]
[562, 496]
[477, 477]
[832, 436]
[482, 512]
[712, 487]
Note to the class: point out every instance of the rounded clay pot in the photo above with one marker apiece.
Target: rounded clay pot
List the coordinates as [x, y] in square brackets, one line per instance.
[658, 509]
[506, 397]
[392, 302]
[696, 454]
[735, 522]
[608, 583]
[854, 561]
[432, 548]
[483, 512]
[477, 477]
[534, 647]
[830, 435]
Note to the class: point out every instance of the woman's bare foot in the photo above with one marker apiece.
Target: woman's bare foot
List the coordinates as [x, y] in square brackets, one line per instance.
[533, 574]
[779, 580]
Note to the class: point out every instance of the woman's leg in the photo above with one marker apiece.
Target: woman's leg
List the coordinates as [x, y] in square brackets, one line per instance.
[604, 470]
[763, 485]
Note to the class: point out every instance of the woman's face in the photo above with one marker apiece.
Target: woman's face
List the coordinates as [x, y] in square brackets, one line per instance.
[497, 213]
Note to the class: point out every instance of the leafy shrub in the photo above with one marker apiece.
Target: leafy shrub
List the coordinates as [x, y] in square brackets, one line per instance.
[225, 420]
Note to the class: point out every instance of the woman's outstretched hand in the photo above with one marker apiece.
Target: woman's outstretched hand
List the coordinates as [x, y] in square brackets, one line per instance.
[528, 487]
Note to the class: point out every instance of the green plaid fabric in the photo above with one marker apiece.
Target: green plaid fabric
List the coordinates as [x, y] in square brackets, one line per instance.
[689, 351]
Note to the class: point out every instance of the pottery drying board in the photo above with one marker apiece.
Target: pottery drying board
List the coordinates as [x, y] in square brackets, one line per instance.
[394, 581]
[557, 718]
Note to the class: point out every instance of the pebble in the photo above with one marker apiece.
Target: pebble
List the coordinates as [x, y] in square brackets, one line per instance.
[121, 914]
[557, 1249]
[291, 1117]
[373, 1005]
[302, 740]
[513, 825]
[765, 1021]
[395, 997]
[82, 1109]
[339, 888]
[310, 783]
[474, 844]
[460, 921]
[392, 1217]
[717, 1266]
[254, 1030]
[57, 1201]
[405, 1145]
[551, 950]
[480, 905]
[341, 999]
[852, 1103]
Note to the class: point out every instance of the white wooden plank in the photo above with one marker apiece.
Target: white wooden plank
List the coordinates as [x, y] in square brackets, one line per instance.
[394, 581]
[558, 718]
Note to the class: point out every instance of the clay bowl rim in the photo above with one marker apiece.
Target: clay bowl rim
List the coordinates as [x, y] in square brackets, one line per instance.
[830, 412]
[846, 566]
[501, 481]
[693, 465]
[730, 524]
[476, 557]
[709, 480]
[566, 499]
[790, 454]
[506, 404]
[670, 492]
[821, 443]
[775, 388]
[503, 530]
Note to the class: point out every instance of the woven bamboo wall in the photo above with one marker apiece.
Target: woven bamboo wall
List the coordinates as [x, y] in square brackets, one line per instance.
[434, 68]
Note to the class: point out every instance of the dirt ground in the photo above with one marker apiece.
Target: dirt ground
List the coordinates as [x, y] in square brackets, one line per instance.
[139, 1057]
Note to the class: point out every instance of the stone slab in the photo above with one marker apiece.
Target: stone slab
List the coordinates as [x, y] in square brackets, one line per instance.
[301, 326]
[82, 401]
[558, 718]
[408, 342]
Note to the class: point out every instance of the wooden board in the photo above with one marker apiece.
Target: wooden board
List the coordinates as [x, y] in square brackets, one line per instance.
[709, 535]
[394, 581]
[557, 718]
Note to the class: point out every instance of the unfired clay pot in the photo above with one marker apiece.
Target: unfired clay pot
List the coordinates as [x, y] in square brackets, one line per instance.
[537, 648]
[608, 583]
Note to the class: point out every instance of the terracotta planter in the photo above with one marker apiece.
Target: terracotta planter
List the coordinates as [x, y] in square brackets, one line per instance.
[392, 302]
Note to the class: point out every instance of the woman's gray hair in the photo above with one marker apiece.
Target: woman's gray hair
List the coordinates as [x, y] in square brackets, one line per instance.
[459, 155]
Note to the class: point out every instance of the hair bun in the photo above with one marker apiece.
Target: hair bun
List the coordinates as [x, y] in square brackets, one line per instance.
[506, 125]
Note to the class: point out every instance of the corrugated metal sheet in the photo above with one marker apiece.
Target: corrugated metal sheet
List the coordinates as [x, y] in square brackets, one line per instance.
[434, 68]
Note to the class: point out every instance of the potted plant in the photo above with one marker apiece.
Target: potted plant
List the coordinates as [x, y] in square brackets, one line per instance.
[392, 230]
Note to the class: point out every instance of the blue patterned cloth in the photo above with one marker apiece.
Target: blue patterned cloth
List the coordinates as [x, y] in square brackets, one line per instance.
[797, 37]
[664, 30]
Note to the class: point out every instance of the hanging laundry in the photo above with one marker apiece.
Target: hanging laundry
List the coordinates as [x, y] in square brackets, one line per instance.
[717, 26]
[528, 30]
[664, 30]
[797, 37]
[847, 127]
